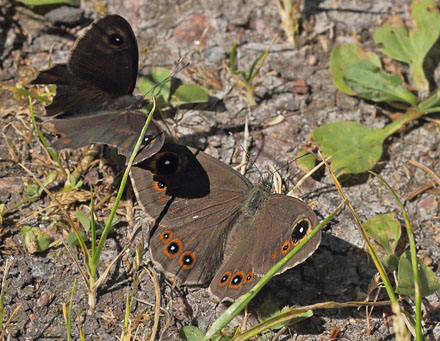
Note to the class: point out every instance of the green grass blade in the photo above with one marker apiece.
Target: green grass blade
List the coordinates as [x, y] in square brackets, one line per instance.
[95, 259]
[412, 247]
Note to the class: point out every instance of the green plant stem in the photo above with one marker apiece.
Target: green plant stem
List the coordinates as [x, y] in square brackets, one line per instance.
[92, 223]
[414, 263]
[93, 261]
[22, 202]
[243, 301]
[370, 248]
[69, 313]
[283, 317]
[128, 304]
[432, 110]
[420, 81]
[250, 99]
[93, 268]
[401, 121]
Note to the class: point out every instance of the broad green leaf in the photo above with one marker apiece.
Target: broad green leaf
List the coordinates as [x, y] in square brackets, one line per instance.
[31, 188]
[189, 93]
[305, 161]
[269, 310]
[51, 177]
[84, 220]
[34, 239]
[159, 83]
[146, 85]
[428, 281]
[116, 220]
[393, 36]
[411, 46]
[162, 78]
[191, 333]
[392, 262]
[354, 148]
[371, 82]
[72, 238]
[342, 57]
[385, 230]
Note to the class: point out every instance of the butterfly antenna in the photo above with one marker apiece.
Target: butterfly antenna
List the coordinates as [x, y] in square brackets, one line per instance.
[276, 170]
[179, 66]
[247, 158]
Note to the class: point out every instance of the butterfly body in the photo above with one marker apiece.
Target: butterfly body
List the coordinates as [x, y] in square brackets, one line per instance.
[94, 100]
[212, 226]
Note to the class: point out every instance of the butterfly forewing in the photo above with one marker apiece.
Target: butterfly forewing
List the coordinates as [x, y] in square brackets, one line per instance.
[117, 129]
[93, 101]
[107, 56]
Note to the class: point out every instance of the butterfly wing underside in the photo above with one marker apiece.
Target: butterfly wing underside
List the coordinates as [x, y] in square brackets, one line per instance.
[102, 67]
[93, 101]
[117, 129]
[114, 63]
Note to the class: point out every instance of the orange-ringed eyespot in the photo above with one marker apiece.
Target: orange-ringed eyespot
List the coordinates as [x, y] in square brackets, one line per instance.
[166, 236]
[285, 247]
[173, 248]
[59, 134]
[300, 231]
[224, 280]
[249, 277]
[116, 39]
[159, 186]
[187, 260]
[236, 280]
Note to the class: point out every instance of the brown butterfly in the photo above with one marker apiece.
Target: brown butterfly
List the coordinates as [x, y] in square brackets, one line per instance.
[212, 226]
[94, 101]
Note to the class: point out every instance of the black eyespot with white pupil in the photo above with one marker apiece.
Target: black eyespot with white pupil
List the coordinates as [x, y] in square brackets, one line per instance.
[116, 39]
[300, 230]
[224, 278]
[161, 185]
[167, 163]
[249, 277]
[236, 280]
[187, 260]
[166, 236]
[173, 248]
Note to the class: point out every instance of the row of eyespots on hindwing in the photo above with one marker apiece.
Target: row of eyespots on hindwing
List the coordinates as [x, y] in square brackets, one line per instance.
[234, 281]
[301, 229]
[173, 248]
